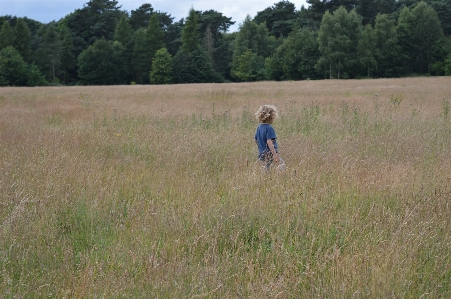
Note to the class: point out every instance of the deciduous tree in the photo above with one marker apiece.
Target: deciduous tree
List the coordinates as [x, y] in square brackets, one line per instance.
[162, 71]
[100, 63]
[419, 30]
[254, 37]
[124, 35]
[338, 41]
[367, 49]
[389, 57]
[35, 76]
[13, 69]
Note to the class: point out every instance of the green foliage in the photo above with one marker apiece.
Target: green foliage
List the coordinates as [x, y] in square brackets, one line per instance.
[384, 30]
[139, 18]
[101, 63]
[190, 33]
[217, 22]
[141, 60]
[419, 31]
[208, 44]
[124, 35]
[67, 58]
[103, 16]
[13, 69]
[447, 66]
[97, 19]
[50, 53]
[6, 35]
[154, 35]
[123, 32]
[279, 19]
[251, 67]
[162, 71]
[369, 9]
[213, 26]
[297, 56]
[3, 80]
[417, 44]
[389, 57]
[273, 69]
[146, 44]
[194, 67]
[35, 76]
[255, 38]
[22, 39]
[338, 39]
[442, 7]
[367, 49]
[172, 37]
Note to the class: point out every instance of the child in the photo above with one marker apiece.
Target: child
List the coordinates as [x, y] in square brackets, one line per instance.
[265, 137]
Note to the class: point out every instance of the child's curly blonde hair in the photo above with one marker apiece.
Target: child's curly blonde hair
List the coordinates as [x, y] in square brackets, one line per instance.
[266, 114]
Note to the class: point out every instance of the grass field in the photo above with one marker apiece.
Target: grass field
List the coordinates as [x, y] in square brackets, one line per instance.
[153, 191]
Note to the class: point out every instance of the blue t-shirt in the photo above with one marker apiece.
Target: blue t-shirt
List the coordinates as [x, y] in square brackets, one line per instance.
[265, 132]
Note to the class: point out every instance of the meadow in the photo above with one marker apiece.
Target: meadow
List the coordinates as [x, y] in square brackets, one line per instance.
[153, 191]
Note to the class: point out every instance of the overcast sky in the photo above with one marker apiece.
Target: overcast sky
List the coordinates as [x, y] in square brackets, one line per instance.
[46, 11]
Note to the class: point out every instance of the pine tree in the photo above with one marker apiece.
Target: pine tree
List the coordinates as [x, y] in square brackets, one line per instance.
[22, 39]
[6, 35]
[154, 36]
[67, 58]
[190, 33]
[140, 17]
[208, 44]
[123, 32]
[147, 43]
[194, 67]
[52, 49]
[279, 18]
[191, 63]
[103, 18]
[140, 56]
[124, 35]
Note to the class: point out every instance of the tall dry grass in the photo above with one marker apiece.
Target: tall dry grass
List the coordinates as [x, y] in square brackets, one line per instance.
[153, 191]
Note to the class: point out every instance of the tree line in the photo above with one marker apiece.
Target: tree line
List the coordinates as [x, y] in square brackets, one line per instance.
[100, 44]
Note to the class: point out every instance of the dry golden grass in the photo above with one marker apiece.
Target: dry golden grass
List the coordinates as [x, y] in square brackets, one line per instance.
[153, 191]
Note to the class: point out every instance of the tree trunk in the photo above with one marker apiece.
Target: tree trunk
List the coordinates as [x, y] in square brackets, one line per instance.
[330, 70]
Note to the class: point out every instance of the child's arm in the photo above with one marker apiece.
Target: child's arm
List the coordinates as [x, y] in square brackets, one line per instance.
[273, 150]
